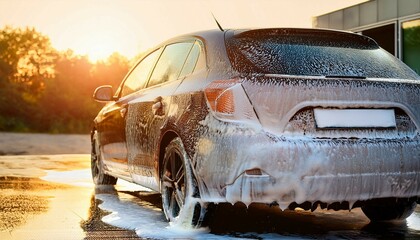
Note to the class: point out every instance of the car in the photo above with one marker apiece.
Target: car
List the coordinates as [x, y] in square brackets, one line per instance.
[306, 118]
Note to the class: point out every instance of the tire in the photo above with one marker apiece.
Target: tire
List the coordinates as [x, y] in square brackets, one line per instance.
[389, 209]
[180, 193]
[96, 165]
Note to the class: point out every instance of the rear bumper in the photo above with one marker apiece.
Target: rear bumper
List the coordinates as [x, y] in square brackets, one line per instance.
[327, 189]
[299, 170]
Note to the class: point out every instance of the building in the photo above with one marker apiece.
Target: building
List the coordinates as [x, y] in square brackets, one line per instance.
[394, 24]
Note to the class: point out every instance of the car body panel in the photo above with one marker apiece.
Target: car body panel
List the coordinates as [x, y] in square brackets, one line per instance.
[146, 116]
[110, 125]
[303, 169]
[302, 163]
[278, 155]
[287, 95]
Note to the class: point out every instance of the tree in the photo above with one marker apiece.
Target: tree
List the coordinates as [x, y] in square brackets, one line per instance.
[64, 102]
[67, 99]
[44, 90]
[27, 58]
[111, 71]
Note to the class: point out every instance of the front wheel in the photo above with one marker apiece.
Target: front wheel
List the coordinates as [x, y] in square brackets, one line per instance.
[98, 175]
[389, 209]
[180, 194]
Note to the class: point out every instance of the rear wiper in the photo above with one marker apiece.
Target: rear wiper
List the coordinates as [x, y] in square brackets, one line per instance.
[345, 76]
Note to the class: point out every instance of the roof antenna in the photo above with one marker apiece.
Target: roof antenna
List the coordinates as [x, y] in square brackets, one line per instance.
[218, 24]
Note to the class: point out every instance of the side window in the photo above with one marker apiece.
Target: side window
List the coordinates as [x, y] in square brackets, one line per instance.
[139, 76]
[191, 62]
[170, 63]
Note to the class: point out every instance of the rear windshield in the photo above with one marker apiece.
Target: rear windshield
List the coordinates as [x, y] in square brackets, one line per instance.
[313, 53]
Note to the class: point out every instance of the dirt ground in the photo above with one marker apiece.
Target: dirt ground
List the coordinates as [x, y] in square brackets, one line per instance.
[43, 144]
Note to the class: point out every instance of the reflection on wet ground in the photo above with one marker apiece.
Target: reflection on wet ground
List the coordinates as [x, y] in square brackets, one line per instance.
[65, 205]
[304, 224]
[31, 208]
[28, 184]
[15, 208]
[17, 203]
[34, 166]
[54, 207]
[254, 222]
[35, 209]
[95, 228]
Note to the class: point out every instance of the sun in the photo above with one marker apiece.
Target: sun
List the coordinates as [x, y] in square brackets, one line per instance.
[95, 46]
[100, 51]
[97, 41]
[97, 31]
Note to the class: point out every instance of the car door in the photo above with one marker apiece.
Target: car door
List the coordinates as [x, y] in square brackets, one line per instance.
[148, 114]
[113, 126]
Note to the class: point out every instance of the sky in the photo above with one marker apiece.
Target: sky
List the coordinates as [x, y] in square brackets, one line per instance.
[98, 28]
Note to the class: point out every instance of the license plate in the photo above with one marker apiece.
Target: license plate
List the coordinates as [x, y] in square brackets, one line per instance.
[354, 118]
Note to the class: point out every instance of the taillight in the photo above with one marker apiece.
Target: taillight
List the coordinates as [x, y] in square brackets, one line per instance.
[220, 96]
[228, 101]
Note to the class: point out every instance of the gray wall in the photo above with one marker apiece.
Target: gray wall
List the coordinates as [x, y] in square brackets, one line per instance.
[367, 13]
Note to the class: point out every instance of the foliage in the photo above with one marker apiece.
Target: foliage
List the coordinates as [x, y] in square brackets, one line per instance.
[27, 58]
[43, 90]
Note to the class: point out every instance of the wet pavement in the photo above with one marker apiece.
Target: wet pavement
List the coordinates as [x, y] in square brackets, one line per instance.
[52, 197]
[61, 207]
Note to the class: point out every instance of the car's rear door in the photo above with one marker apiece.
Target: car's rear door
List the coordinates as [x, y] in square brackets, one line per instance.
[148, 113]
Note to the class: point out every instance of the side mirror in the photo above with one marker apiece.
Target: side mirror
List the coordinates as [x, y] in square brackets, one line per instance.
[103, 94]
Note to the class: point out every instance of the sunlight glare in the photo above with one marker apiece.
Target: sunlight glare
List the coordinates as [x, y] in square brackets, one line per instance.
[101, 49]
[99, 37]
[97, 30]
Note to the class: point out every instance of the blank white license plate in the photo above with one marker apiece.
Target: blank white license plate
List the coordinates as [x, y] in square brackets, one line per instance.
[354, 118]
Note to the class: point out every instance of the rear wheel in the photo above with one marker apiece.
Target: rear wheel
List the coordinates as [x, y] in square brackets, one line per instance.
[180, 194]
[389, 209]
[98, 175]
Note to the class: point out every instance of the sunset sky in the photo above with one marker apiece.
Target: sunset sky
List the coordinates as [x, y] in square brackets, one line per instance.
[100, 27]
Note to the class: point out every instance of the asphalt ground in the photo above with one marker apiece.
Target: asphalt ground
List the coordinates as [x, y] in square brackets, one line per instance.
[51, 196]
[33, 208]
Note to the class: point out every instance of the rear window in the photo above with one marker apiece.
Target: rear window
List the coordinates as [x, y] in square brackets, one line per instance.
[313, 53]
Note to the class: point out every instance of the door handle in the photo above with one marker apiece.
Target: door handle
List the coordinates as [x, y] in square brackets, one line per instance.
[157, 107]
[123, 112]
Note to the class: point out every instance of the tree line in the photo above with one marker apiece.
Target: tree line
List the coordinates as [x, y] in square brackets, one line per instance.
[45, 90]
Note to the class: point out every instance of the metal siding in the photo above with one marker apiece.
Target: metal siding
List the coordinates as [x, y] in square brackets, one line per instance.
[387, 9]
[336, 20]
[368, 13]
[408, 7]
[351, 17]
[323, 21]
